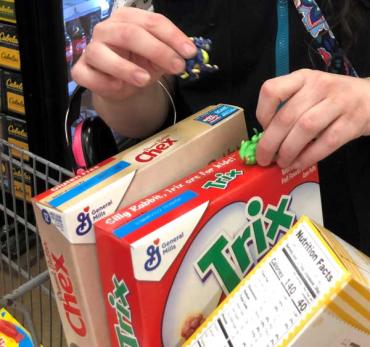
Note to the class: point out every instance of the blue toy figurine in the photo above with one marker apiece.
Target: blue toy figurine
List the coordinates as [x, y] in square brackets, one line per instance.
[200, 63]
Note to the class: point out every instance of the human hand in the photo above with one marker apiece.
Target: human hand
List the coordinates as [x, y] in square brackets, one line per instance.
[131, 50]
[320, 113]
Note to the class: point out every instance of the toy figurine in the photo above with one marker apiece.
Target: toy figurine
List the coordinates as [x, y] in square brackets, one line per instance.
[247, 150]
[200, 63]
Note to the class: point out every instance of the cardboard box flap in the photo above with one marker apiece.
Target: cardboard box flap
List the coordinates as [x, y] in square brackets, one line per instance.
[155, 147]
[221, 175]
[357, 263]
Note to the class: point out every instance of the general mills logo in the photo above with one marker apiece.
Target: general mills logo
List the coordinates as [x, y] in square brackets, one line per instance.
[85, 222]
[46, 216]
[210, 118]
[154, 256]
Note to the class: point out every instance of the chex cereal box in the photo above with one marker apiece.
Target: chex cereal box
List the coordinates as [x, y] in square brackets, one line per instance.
[312, 289]
[169, 259]
[12, 333]
[66, 213]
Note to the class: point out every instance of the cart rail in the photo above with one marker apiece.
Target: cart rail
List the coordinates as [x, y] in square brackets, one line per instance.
[25, 289]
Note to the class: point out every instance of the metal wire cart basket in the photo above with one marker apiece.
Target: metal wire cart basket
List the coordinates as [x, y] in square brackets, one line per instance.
[25, 289]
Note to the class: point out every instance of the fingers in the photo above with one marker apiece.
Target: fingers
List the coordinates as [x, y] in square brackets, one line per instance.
[128, 37]
[103, 59]
[276, 91]
[328, 142]
[307, 128]
[321, 113]
[160, 27]
[100, 83]
[282, 122]
[135, 47]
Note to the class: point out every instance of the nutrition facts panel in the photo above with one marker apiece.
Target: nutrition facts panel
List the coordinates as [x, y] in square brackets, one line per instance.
[277, 297]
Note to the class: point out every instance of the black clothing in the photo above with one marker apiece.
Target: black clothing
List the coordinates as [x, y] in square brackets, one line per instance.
[243, 35]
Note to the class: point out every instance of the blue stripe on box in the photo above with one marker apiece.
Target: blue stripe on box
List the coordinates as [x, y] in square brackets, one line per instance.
[157, 212]
[91, 182]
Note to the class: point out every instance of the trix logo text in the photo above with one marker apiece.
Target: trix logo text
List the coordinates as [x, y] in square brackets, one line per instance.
[72, 311]
[154, 151]
[118, 301]
[85, 222]
[229, 260]
[154, 256]
[222, 179]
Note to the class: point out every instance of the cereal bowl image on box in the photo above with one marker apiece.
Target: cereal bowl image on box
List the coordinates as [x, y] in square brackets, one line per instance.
[182, 308]
[309, 191]
[168, 260]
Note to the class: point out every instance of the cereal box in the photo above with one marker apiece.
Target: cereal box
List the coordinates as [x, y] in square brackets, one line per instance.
[168, 260]
[312, 289]
[66, 213]
[13, 334]
[7, 11]
[9, 47]
[13, 95]
[14, 130]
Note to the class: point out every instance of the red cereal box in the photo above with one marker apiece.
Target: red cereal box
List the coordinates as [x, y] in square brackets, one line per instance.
[168, 260]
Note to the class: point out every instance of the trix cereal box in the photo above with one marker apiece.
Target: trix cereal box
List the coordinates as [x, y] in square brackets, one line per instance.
[12, 334]
[312, 289]
[168, 260]
[66, 213]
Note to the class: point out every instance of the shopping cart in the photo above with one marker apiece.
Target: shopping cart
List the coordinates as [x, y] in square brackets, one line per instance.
[25, 289]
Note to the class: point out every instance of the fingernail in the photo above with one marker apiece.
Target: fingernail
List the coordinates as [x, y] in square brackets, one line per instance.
[189, 50]
[141, 77]
[178, 65]
[263, 162]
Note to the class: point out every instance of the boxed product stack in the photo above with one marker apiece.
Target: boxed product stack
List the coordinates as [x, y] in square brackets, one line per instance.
[13, 120]
[168, 260]
[312, 289]
[66, 213]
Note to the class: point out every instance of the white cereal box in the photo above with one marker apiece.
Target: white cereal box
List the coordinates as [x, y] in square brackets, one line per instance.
[312, 289]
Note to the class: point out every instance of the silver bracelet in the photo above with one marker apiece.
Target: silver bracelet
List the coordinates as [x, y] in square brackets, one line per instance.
[171, 100]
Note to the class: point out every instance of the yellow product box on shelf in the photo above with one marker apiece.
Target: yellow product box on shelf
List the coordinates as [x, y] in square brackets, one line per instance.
[7, 11]
[4, 176]
[12, 333]
[22, 184]
[312, 289]
[15, 132]
[9, 47]
[13, 97]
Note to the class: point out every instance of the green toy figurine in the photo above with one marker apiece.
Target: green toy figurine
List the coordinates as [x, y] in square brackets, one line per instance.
[247, 150]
